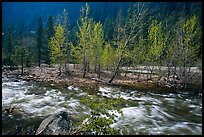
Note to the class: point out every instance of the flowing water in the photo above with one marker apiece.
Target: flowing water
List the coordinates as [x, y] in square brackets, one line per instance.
[149, 113]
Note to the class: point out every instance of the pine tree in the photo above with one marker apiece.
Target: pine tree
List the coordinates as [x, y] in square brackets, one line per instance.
[39, 40]
[9, 49]
[22, 57]
[50, 33]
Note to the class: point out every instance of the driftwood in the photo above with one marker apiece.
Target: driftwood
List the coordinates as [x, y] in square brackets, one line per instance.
[98, 80]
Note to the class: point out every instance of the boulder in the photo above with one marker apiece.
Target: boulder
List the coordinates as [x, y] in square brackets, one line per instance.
[55, 124]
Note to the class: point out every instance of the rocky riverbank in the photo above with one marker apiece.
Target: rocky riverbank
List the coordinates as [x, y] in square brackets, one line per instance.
[50, 75]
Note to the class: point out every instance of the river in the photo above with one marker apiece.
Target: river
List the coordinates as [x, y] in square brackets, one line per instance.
[145, 113]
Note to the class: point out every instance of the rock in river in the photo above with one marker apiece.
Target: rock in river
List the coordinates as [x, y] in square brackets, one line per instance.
[55, 124]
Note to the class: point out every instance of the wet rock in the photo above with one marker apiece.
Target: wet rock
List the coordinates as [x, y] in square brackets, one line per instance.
[55, 124]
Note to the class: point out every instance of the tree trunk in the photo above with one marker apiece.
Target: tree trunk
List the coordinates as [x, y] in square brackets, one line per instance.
[88, 66]
[84, 74]
[66, 65]
[119, 62]
[60, 71]
[168, 73]
[95, 68]
[39, 54]
[22, 65]
[116, 70]
[151, 71]
[99, 71]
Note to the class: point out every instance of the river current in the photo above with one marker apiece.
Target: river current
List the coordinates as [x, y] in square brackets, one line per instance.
[145, 113]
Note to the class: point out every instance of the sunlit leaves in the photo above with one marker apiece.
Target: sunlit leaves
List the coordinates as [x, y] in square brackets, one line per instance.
[56, 45]
[108, 56]
[191, 46]
[156, 40]
[81, 51]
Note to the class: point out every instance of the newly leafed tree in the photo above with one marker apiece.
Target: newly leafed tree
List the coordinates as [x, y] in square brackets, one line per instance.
[64, 22]
[56, 47]
[156, 42]
[190, 45]
[127, 32]
[97, 39]
[82, 50]
[108, 56]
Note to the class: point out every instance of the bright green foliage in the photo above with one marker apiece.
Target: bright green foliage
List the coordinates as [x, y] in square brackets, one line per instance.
[127, 57]
[97, 43]
[64, 22]
[56, 46]
[101, 118]
[139, 55]
[108, 56]
[127, 32]
[191, 47]
[156, 41]
[82, 50]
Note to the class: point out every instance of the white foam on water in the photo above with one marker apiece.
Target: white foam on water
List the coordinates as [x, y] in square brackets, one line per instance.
[32, 104]
[133, 113]
[73, 88]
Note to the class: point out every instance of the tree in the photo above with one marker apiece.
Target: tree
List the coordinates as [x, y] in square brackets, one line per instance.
[50, 33]
[97, 49]
[22, 57]
[190, 45]
[56, 47]
[156, 43]
[9, 48]
[138, 55]
[67, 44]
[39, 40]
[108, 56]
[28, 43]
[82, 50]
[21, 30]
[127, 32]
[64, 22]
[108, 29]
[183, 49]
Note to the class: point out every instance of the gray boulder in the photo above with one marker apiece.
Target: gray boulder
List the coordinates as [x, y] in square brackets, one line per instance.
[55, 124]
